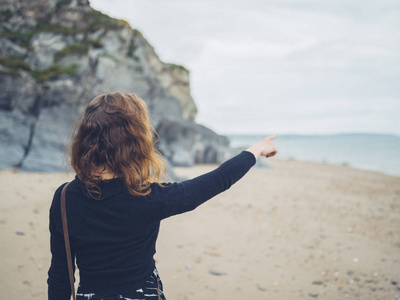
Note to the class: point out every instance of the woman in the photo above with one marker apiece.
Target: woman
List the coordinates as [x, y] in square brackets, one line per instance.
[117, 200]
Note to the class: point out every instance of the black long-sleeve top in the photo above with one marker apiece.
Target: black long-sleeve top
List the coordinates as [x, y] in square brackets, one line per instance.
[113, 239]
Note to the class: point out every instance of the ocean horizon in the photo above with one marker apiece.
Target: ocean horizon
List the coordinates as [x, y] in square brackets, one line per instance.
[366, 151]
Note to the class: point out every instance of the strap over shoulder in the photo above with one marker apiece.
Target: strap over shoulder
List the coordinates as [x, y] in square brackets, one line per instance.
[66, 239]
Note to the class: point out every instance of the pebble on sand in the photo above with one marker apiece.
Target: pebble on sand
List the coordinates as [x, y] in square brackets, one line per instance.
[216, 273]
[260, 288]
[369, 280]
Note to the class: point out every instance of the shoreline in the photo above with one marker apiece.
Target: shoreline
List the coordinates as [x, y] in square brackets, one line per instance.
[266, 162]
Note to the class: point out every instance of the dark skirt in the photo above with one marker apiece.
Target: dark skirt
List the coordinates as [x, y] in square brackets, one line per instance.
[152, 289]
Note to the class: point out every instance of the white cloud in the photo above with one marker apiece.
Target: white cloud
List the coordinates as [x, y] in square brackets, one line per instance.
[286, 65]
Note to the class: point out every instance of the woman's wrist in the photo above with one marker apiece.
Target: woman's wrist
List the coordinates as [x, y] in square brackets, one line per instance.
[255, 150]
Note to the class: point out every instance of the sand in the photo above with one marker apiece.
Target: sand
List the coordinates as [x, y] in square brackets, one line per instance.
[295, 230]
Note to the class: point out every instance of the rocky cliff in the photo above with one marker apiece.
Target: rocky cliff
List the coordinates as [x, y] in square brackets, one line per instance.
[55, 56]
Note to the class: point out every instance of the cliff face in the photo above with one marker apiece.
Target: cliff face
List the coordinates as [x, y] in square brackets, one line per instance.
[55, 56]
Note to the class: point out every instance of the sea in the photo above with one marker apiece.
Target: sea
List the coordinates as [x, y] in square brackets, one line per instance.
[367, 151]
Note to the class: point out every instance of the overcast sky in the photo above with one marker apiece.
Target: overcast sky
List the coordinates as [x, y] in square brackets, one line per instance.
[280, 66]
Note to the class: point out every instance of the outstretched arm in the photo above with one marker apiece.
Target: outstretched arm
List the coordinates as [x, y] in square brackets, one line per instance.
[187, 195]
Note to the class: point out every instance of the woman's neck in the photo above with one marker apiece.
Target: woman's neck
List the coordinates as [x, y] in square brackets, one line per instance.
[105, 174]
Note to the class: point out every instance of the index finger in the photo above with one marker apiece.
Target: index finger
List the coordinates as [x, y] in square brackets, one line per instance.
[271, 137]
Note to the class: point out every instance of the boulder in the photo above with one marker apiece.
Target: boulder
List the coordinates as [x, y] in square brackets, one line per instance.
[186, 143]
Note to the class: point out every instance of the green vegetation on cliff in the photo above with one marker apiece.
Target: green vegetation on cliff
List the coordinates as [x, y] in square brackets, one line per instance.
[178, 67]
[71, 49]
[97, 20]
[53, 72]
[12, 73]
[12, 65]
[15, 62]
[20, 38]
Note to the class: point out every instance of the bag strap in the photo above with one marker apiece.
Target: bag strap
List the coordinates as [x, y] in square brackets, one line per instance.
[66, 239]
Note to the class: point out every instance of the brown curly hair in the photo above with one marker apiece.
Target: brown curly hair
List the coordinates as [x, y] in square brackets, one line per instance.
[115, 134]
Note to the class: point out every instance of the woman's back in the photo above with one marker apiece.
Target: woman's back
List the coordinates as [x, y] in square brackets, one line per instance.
[113, 238]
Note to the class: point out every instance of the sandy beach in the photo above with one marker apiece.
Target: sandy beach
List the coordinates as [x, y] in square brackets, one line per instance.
[295, 230]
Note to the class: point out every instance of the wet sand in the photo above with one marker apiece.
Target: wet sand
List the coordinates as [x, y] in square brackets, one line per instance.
[295, 230]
